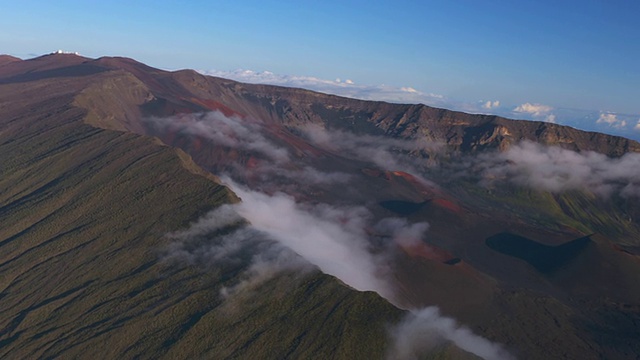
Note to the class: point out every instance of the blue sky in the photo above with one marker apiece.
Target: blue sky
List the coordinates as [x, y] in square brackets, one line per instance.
[578, 58]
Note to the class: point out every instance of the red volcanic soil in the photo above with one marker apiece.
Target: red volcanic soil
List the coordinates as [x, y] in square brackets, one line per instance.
[426, 251]
[213, 105]
[448, 205]
[430, 192]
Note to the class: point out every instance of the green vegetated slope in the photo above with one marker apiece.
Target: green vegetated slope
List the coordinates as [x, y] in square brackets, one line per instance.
[84, 213]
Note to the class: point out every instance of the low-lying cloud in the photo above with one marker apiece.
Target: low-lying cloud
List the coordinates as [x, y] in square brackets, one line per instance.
[387, 153]
[232, 132]
[223, 240]
[336, 240]
[332, 238]
[424, 331]
[554, 169]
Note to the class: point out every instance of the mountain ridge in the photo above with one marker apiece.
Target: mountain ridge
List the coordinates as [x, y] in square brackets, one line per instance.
[93, 140]
[462, 131]
[82, 272]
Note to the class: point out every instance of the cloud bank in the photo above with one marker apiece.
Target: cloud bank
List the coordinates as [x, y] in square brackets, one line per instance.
[332, 238]
[551, 168]
[425, 330]
[223, 240]
[385, 152]
[232, 132]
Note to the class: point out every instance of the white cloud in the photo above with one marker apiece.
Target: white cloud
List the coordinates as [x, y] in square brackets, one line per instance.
[533, 109]
[551, 118]
[332, 238]
[409, 89]
[612, 120]
[551, 168]
[346, 88]
[424, 330]
[232, 132]
[637, 127]
[222, 239]
[536, 111]
[386, 153]
[491, 104]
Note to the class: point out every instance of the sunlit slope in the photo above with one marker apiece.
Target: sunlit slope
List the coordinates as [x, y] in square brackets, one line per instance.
[84, 214]
[123, 193]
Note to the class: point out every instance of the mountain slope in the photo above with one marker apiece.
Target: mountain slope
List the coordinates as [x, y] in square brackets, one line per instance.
[85, 212]
[116, 195]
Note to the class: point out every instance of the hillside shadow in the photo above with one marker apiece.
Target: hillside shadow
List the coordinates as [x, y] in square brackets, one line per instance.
[544, 258]
[401, 207]
[69, 71]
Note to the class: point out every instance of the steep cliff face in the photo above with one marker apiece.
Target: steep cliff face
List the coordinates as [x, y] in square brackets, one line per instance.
[152, 92]
[462, 131]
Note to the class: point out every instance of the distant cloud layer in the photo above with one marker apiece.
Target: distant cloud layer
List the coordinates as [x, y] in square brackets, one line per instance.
[533, 109]
[491, 104]
[583, 119]
[346, 88]
[611, 120]
[551, 168]
[538, 111]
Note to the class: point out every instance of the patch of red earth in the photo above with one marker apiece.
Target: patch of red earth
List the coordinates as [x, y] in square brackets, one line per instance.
[448, 205]
[213, 105]
[430, 190]
[425, 251]
[423, 187]
[433, 253]
[420, 184]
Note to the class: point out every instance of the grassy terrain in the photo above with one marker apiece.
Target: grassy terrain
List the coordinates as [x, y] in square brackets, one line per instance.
[84, 212]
